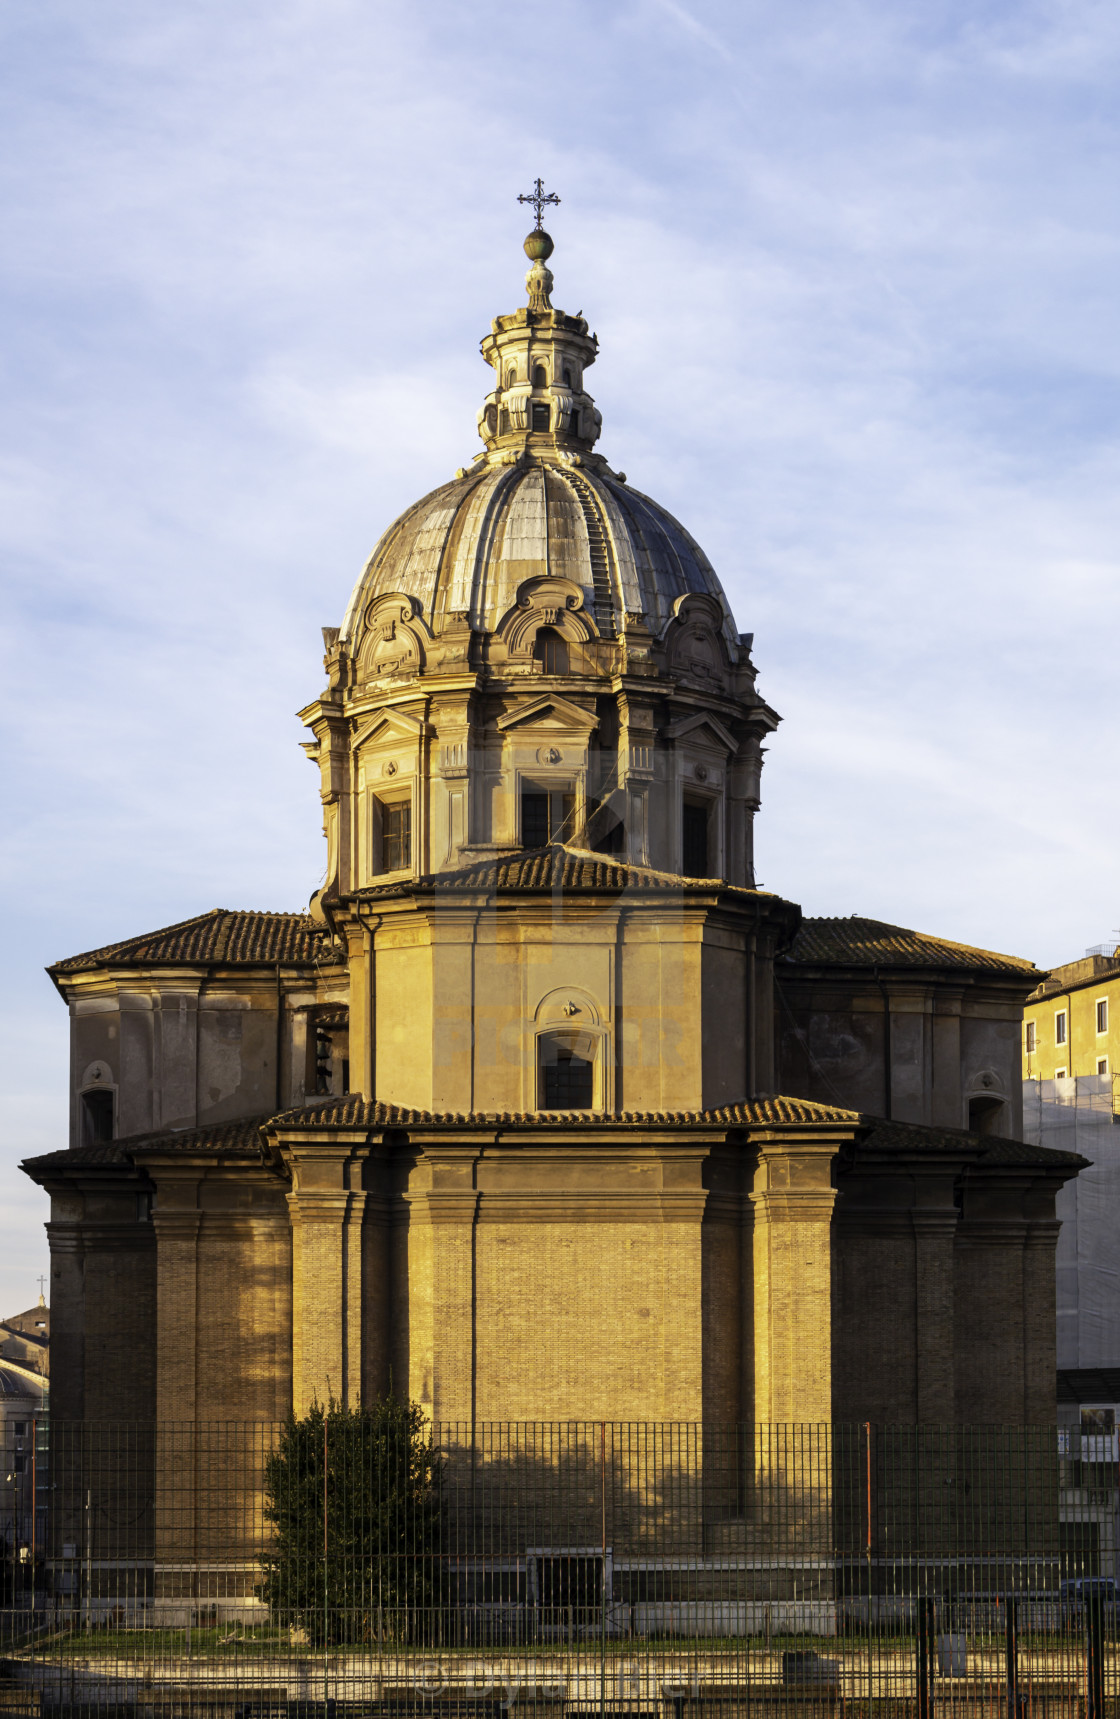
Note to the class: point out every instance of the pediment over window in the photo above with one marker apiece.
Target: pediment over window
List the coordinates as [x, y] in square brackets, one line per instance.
[548, 712]
[704, 730]
[390, 725]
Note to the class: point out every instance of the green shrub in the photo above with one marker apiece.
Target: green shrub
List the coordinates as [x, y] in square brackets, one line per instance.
[371, 1478]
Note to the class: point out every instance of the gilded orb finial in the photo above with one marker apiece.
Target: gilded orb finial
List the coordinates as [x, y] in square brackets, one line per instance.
[539, 246]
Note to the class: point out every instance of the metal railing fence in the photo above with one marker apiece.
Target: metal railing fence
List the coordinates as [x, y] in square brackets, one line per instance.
[372, 1563]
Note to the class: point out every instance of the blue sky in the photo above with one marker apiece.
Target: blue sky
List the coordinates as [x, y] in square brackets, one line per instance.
[854, 269]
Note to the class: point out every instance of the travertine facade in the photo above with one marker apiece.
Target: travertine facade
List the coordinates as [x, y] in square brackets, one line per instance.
[492, 1119]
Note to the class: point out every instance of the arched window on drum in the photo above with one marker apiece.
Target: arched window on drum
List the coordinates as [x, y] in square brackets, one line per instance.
[550, 650]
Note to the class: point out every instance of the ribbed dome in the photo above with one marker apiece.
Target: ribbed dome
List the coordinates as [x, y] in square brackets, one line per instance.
[468, 546]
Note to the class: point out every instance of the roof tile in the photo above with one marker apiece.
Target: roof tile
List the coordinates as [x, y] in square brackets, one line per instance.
[219, 938]
[554, 867]
[994, 1149]
[241, 1137]
[356, 1112]
[857, 942]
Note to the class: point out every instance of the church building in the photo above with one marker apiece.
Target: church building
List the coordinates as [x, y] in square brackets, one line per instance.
[544, 1110]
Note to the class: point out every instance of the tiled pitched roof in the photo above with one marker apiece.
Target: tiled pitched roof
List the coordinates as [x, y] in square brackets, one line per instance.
[548, 868]
[356, 1112]
[858, 942]
[900, 1137]
[217, 938]
[79, 1158]
[240, 1138]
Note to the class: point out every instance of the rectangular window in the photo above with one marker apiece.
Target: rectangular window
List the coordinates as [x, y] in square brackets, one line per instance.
[1102, 1014]
[540, 416]
[573, 424]
[1102, 1065]
[97, 1117]
[1032, 1037]
[396, 836]
[547, 815]
[1059, 1074]
[1060, 1027]
[694, 838]
[566, 1072]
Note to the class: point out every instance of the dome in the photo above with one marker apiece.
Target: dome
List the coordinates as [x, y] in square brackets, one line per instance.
[466, 548]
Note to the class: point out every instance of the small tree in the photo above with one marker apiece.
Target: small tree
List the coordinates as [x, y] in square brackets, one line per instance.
[353, 1496]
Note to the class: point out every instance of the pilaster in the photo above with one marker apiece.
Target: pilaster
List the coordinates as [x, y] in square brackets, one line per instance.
[67, 1318]
[442, 1220]
[934, 1273]
[326, 1218]
[177, 1229]
[793, 1200]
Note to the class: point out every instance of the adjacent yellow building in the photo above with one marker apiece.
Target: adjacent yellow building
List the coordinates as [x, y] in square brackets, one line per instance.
[1071, 1023]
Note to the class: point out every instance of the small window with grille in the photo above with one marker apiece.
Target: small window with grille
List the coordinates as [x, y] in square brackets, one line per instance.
[540, 415]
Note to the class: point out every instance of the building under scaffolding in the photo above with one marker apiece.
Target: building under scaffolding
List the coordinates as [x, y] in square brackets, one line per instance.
[1079, 1115]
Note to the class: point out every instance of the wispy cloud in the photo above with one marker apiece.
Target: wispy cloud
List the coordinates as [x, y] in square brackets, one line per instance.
[689, 21]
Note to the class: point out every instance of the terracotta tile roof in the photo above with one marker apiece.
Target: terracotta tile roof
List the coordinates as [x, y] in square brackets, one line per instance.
[357, 1112]
[858, 942]
[907, 1137]
[240, 1138]
[217, 938]
[549, 868]
[80, 1158]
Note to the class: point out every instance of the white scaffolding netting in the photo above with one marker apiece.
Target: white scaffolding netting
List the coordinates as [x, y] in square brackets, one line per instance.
[1080, 1115]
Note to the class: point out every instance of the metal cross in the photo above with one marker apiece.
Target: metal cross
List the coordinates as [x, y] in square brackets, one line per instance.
[538, 199]
[42, 1280]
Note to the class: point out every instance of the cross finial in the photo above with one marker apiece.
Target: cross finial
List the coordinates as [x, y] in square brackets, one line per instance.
[538, 198]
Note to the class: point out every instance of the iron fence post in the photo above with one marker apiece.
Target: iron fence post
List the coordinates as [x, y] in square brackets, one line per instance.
[925, 1657]
[1011, 1651]
[1094, 1655]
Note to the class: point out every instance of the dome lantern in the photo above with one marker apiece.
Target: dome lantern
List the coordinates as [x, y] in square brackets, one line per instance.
[539, 354]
